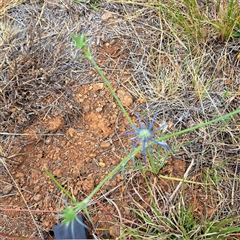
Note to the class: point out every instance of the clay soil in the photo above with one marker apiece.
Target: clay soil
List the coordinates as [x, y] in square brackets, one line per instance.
[79, 157]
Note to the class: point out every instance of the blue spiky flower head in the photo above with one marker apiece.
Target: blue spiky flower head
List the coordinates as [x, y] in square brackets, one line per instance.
[144, 134]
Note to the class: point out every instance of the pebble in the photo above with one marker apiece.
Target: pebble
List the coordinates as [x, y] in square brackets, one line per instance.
[99, 109]
[37, 197]
[7, 189]
[105, 145]
[102, 164]
[106, 16]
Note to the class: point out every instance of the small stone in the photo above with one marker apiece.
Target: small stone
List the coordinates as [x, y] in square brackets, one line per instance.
[75, 192]
[39, 155]
[114, 231]
[19, 175]
[57, 172]
[107, 15]
[105, 145]
[141, 100]
[48, 140]
[7, 189]
[99, 109]
[92, 155]
[54, 124]
[36, 189]
[125, 97]
[86, 108]
[71, 132]
[229, 81]
[98, 86]
[102, 164]
[37, 197]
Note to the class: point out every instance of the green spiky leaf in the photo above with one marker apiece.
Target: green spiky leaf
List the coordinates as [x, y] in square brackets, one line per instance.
[80, 42]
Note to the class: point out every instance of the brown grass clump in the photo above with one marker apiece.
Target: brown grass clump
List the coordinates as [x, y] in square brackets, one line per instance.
[5, 5]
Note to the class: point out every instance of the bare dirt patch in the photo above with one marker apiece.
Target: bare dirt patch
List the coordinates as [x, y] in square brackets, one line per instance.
[79, 160]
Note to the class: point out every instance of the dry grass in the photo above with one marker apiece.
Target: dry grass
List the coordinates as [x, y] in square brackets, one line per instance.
[184, 88]
[6, 5]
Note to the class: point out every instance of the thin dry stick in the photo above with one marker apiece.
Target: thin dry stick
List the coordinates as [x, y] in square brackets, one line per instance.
[40, 234]
[180, 183]
[119, 213]
[27, 210]
[234, 182]
[29, 134]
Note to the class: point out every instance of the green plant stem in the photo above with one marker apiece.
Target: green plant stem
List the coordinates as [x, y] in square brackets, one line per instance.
[110, 175]
[154, 168]
[110, 89]
[199, 126]
[59, 185]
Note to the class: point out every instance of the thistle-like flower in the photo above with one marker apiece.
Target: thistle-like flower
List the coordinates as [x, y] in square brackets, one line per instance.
[145, 134]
